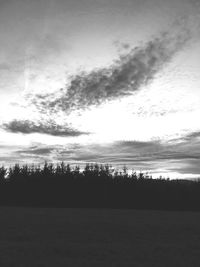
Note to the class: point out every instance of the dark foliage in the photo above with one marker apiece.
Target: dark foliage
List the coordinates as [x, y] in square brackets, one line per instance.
[97, 186]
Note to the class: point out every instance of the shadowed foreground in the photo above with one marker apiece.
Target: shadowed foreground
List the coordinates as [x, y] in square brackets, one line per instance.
[97, 237]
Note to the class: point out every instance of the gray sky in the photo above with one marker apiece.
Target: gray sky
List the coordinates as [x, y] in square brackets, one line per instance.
[101, 80]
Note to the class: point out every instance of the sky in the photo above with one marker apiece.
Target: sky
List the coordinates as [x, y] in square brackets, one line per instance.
[104, 81]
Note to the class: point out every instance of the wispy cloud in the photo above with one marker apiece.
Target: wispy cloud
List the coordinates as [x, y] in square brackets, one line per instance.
[5, 66]
[155, 157]
[192, 136]
[126, 75]
[51, 128]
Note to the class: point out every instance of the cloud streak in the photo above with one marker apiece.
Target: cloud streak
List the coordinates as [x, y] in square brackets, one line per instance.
[51, 128]
[126, 75]
[150, 156]
[153, 156]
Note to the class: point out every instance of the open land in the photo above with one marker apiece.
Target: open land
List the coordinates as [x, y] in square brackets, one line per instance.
[98, 237]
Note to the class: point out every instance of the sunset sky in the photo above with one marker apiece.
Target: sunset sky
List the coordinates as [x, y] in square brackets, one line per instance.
[104, 81]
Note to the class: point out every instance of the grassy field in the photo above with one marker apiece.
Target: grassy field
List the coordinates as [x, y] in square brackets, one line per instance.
[90, 237]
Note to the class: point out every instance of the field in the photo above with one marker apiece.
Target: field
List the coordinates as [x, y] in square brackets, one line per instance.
[98, 237]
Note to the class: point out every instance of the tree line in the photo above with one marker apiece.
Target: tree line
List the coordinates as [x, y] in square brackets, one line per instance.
[95, 186]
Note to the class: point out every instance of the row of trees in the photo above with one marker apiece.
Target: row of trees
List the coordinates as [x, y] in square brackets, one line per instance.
[61, 170]
[94, 186]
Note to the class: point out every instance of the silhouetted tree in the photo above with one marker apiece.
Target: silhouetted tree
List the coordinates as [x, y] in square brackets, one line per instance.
[95, 186]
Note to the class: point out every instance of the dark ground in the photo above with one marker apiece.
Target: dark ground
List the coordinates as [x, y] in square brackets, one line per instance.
[94, 237]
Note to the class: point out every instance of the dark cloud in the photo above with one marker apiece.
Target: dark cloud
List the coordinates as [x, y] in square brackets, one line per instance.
[192, 136]
[149, 156]
[128, 74]
[130, 152]
[189, 142]
[27, 127]
[152, 156]
[190, 166]
[5, 66]
[36, 151]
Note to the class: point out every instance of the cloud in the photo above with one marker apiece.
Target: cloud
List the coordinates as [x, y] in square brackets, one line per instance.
[27, 127]
[192, 136]
[150, 156]
[154, 157]
[36, 151]
[126, 75]
[5, 67]
[189, 141]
